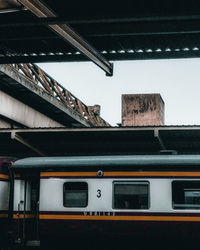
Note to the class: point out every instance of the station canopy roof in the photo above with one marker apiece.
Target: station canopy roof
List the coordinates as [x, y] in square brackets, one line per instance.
[23, 143]
[119, 30]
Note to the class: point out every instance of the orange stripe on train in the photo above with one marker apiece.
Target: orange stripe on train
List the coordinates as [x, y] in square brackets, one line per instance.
[4, 176]
[60, 174]
[118, 218]
[110, 174]
[21, 216]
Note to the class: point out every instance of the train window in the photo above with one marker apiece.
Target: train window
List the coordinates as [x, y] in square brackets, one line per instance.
[186, 194]
[131, 195]
[75, 194]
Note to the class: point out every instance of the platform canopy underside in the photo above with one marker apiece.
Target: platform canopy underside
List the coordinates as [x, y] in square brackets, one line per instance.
[23, 143]
[127, 30]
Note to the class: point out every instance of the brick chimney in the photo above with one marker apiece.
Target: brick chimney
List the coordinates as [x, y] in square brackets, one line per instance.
[142, 110]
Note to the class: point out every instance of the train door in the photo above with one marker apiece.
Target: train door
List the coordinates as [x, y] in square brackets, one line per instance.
[27, 215]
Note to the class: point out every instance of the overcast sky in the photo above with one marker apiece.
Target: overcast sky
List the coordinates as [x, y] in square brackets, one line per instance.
[177, 80]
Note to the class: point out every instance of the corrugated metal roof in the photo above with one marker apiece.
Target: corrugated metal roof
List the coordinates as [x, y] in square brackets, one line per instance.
[133, 30]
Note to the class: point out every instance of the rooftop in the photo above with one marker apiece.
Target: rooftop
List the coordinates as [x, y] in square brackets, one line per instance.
[127, 30]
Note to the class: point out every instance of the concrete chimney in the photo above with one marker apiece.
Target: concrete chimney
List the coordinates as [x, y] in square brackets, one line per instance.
[142, 110]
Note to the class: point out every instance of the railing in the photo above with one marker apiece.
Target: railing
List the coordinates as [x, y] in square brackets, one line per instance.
[47, 83]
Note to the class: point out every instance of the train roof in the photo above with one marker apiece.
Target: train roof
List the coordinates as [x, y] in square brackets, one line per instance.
[108, 162]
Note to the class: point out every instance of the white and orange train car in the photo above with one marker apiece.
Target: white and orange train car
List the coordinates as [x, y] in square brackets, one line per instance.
[5, 209]
[129, 196]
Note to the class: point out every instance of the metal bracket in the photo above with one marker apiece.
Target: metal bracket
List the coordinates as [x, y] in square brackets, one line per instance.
[18, 138]
[157, 135]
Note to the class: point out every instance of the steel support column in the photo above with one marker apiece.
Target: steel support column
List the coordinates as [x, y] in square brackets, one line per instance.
[68, 34]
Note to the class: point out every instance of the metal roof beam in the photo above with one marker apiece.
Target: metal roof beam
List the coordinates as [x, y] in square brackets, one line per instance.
[7, 6]
[68, 34]
[61, 20]
[64, 20]
[20, 139]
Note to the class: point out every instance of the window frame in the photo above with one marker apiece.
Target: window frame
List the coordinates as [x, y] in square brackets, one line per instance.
[172, 196]
[131, 182]
[64, 194]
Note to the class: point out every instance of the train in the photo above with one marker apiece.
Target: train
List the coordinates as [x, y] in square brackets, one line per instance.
[135, 197]
[5, 199]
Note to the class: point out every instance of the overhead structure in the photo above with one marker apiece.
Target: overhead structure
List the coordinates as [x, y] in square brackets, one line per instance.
[7, 6]
[29, 89]
[15, 113]
[140, 29]
[100, 141]
[68, 34]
